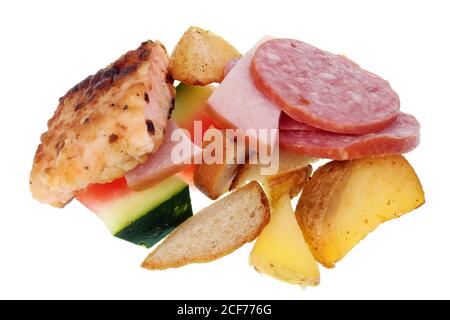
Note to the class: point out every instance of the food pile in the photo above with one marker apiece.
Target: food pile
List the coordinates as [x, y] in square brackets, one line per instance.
[109, 146]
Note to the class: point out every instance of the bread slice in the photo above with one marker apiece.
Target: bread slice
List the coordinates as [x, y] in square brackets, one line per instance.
[215, 231]
[200, 57]
[215, 179]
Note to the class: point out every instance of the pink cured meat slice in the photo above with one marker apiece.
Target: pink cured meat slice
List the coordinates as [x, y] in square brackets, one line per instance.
[287, 123]
[230, 65]
[324, 90]
[237, 104]
[400, 137]
[159, 165]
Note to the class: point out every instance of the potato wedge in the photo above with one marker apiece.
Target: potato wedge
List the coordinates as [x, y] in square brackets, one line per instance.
[290, 183]
[281, 251]
[346, 200]
[200, 57]
[292, 174]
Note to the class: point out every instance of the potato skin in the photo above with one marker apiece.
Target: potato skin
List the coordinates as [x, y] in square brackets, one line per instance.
[293, 172]
[290, 183]
[315, 201]
[346, 200]
[200, 57]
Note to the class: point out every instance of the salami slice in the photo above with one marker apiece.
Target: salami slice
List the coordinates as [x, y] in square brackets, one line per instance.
[402, 136]
[287, 123]
[324, 90]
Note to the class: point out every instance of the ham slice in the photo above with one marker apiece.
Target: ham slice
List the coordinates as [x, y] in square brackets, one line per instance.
[160, 165]
[230, 65]
[237, 104]
[400, 137]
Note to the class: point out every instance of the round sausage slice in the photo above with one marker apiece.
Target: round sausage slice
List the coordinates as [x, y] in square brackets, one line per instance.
[324, 90]
[287, 123]
[402, 136]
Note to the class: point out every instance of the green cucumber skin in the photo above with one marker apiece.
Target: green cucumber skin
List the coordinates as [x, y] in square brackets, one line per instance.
[160, 221]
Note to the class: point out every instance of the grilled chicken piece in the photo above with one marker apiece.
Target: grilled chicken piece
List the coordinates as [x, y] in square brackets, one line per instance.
[105, 125]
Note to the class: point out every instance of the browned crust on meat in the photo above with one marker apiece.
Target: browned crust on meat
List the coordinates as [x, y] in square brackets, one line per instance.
[100, 129]
[91, 88]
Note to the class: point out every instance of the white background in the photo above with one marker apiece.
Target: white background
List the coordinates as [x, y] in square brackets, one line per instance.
[48, 46]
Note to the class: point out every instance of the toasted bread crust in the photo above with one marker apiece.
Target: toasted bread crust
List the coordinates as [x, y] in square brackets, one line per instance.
[154, 265]
[215, 179]
[105, 125]
[200, 57]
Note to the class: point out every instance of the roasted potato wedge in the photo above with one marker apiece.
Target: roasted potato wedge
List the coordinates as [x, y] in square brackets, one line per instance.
[346, 200]
[293, 172]
[290, 183]
[200, 57]
[281, 251]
